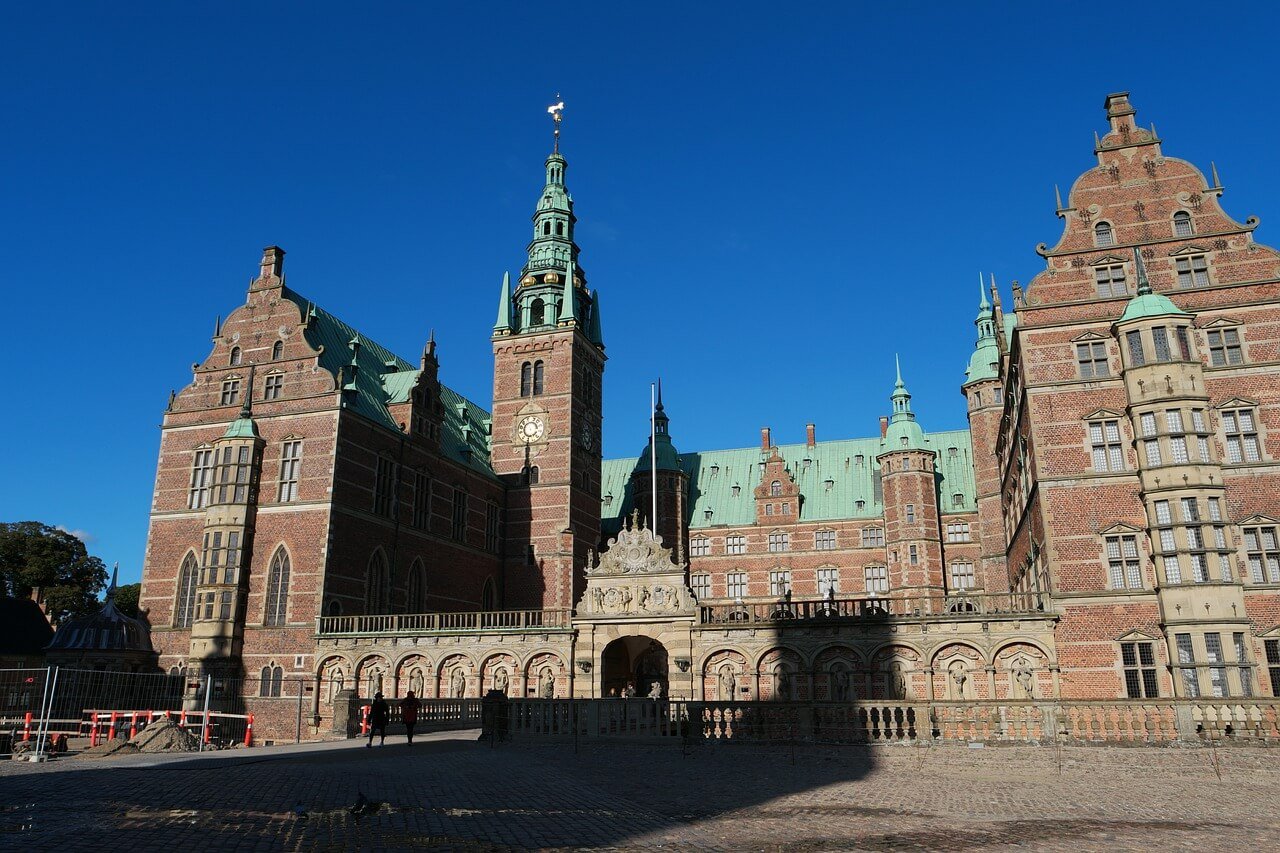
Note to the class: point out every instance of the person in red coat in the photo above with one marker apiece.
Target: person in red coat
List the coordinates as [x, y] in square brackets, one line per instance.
[409, 713]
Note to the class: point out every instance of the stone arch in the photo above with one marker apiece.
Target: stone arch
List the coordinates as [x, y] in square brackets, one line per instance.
[781, 675]
[1023, 671]
[839, 673]
[498, 672]
[455, 677]
[897, 672]
[413, 672]
[724, 675]
[959, 672]
[538, 667]
[333, 675]
[372, 675]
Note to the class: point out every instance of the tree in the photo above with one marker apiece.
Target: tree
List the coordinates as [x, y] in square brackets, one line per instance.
[36, 555]
[127, 599]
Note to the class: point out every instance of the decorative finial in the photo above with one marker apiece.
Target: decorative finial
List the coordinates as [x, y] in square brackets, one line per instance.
[1217, 182]
[983, 304]
[1154, 135]
[556, 111]
[173, 395]
[1144, 286]
[247, 409]
[1057, 196]
[217, 326]
[659, 406]
[1097, 142]
[897, 369]
[115, 576]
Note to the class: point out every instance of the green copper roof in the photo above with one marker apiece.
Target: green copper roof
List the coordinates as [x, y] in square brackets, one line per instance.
[242, 427]
[837, 475]
[503, 323]
[382, 378]
[984, 363]
[1149, 305]
[904, 433]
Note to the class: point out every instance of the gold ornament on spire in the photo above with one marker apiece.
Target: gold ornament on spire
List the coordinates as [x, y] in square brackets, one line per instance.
[556, 111]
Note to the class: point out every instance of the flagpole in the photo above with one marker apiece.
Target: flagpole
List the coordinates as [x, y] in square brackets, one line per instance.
[653, 456]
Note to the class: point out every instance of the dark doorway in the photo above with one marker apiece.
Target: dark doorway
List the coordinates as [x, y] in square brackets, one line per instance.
[639, 661]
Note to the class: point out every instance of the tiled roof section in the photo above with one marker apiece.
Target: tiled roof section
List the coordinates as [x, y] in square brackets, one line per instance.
[385, 378]
[831, 483]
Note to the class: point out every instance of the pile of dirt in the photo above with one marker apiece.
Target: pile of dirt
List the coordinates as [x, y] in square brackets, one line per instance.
[165, 735]
[111, 747]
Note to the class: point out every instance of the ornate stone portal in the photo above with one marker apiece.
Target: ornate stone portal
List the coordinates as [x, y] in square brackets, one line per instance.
[635, 593]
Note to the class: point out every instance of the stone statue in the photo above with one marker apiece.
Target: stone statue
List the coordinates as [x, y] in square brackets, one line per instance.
[500, 680]
[546, 684]
[840, 682]
[655, 692]
[724, 684]
[458, 684]
[644, 598]
[782, 682]
[897, 681]
[1025, 678]
[959, 677]
[597, 598]
[415, 681]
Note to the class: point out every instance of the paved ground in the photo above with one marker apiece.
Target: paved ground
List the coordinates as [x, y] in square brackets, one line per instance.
[449, 792]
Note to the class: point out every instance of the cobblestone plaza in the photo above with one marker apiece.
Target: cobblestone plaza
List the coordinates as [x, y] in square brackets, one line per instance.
[450, 792]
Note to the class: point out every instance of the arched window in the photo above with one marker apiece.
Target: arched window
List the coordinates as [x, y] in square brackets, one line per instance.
[526, 379]
[235, 356]
[415, 598]
[1103, 235]
[538, 374]
[559, 229]
[277, 588]
[489, 596]
[271, 680]
[775, 488]
[335, 608]
[530, 475]
[546, 228]
[1182, 226]
[185, 606]
[377, 592]
[277, 350]
[537, 312]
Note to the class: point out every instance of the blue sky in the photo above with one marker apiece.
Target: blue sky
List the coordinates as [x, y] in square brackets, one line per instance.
[772, 200]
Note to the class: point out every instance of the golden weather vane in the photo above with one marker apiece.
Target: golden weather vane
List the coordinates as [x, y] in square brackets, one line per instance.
[556, 111]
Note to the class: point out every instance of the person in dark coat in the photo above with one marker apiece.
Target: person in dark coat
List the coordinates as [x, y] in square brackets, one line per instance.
[379, 714]
[409, 713]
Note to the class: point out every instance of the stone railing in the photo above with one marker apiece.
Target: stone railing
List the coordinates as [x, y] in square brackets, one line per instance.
[905, 605]
[1116, 722]
[404, 624]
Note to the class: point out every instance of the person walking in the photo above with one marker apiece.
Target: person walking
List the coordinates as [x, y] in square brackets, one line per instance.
[409, 713]
[379, 714]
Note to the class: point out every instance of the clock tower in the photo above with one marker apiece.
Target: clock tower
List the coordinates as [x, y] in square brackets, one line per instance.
[548, 366]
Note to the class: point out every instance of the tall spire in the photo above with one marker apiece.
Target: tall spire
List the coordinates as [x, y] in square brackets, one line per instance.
[503, 323]
[903, 432]
[569, 299]
[983, 304]
[984, 362]
[594, 332]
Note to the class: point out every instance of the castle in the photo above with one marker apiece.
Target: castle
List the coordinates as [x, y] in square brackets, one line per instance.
[326, 510]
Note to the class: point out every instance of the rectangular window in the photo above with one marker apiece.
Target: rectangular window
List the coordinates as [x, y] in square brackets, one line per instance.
[231, 392]
[384, 486]
[828, 581]
[459, 515]
[271, 389]
[1172, 569]
[1224, 347]
[779, 582]
[958, 531]
[421, 500]
[1178, 450]
[1217, 674]
[735, 544]
[1137, 357]
[492, 528]
[1215, 509]
[1139, 663]
[1184, 343]
[876, 578]
[1202, 447]
[1199, 568]
[201, 480]
[962, 575]
[701, 586]
[290, 461]
[779, 542]
[1168, 545]
[224, 606]
[913, 555]
[699, 546]
[1152, 449]
[1148, 424]
[1190, 682]
[1160, 338]
[1193, 271]
[1104, 438]
[1242, 658]
[1122, 560]
[872, 537]
[1264, 557]
[1092, 359]
[911, 513]
[1163, 516]
[736, 583]
[1242, 436]
[1173, 421]
[824, 540]
[233, 475]
[1110, 281]
[1272, 648]
[1190, 509]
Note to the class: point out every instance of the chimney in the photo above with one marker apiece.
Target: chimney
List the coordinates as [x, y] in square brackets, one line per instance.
[272, 263]
[810, 435]
[884, 426]
[765, 441]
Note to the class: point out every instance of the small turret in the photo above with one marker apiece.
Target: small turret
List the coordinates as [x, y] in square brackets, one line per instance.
[903, 432]
[984, 363]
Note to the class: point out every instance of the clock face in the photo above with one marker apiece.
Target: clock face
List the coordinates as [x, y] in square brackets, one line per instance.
[530, 429]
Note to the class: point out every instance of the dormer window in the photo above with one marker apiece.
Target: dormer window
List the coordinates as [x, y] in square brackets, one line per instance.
[775, 488]
[235, 356]
[1182, 226]
[608, 500]
[737, 490]
[1103, 235]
